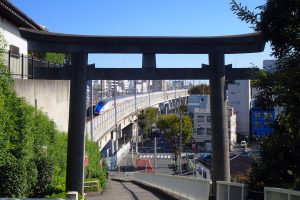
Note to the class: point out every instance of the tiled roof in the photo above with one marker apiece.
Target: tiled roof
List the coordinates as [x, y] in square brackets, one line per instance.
[16, 16]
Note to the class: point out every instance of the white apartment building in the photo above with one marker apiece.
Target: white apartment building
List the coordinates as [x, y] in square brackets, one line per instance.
[124, 84]
[239, 97]
[199, 108]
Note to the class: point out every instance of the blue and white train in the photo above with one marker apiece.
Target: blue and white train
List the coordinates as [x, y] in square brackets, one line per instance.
[104, 105]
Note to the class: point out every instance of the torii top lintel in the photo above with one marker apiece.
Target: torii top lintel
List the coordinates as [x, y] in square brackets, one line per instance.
[57, 42]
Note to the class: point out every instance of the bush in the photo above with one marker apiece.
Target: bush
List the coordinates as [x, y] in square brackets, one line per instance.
[45, 172]
[31, 177]
[13, 178]
[93, 169]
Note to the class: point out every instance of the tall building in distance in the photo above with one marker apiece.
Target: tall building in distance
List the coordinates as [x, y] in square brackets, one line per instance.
[269, 65]
[157, 85]
[100, 88]
[199, 109]
[262, 119]
[124, 86]
[239, 97]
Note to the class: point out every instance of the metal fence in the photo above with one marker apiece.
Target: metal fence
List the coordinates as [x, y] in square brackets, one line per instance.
[231, 191]
[280, 194]
[23, 66]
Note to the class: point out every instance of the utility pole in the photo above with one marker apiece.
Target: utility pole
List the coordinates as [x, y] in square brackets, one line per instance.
[180, 142]
[116, 119]
[137, 124]
[155, 159]
[90, 83]
[148, 89]
[101, 88]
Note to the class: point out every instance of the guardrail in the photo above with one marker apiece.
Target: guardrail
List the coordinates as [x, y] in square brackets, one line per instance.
[184, 187]
[114, 160]
[231, 191]
[271, 193]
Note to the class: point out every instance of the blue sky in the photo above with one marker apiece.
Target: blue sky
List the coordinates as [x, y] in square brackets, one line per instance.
[145, 18]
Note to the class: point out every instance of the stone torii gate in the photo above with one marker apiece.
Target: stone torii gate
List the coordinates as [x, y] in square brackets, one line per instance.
[79, 46]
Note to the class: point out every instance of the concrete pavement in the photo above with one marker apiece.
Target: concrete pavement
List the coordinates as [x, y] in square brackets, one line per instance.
[123, 189]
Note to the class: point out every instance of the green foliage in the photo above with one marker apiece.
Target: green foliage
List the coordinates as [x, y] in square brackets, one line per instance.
[44, 179]
[32, 151]
[187, 129]
[55, 57]
[31, 177]
[13, 178]
[199, 89]
[96, 167]
[189, 166]
[278, 22]
[170, 126]
[146, 119]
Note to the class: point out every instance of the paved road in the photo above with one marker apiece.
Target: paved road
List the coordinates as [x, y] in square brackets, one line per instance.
[116, 190]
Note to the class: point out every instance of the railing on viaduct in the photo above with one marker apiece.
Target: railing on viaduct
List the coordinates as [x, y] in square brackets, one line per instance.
[106, 120]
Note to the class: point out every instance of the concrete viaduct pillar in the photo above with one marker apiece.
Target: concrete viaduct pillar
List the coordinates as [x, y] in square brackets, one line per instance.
[77, 113]
[219, 123]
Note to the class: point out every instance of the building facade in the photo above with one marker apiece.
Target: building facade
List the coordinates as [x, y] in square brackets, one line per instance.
[199, 109]
[239, 97]
[11, 19]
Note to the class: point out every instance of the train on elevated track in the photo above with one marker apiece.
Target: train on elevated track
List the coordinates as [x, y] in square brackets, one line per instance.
[108, 103]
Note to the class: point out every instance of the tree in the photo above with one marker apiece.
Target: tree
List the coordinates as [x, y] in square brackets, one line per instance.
[278, 22]
[57, 58]
[199, 89]
[170, 126]
[146, 120]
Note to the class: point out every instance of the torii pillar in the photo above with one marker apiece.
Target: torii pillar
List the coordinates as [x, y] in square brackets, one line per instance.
[219, 123]
[77, 113]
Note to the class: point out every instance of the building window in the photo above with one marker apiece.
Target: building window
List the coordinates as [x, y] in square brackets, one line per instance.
[204, 175]
[208, 118]
[14, 51]
[257, 114]
[237, 83]
[267, 115]
[256, 124]
[200, 118]
[208, 131]
[200, 131]
[202, 99]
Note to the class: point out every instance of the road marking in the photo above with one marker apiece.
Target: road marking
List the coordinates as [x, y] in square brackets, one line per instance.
[157, 156]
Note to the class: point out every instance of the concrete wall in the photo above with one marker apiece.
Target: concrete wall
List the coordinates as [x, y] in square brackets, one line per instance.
[51, 96]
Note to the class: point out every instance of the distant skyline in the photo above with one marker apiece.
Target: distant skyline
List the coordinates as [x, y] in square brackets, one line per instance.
[146, 18]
